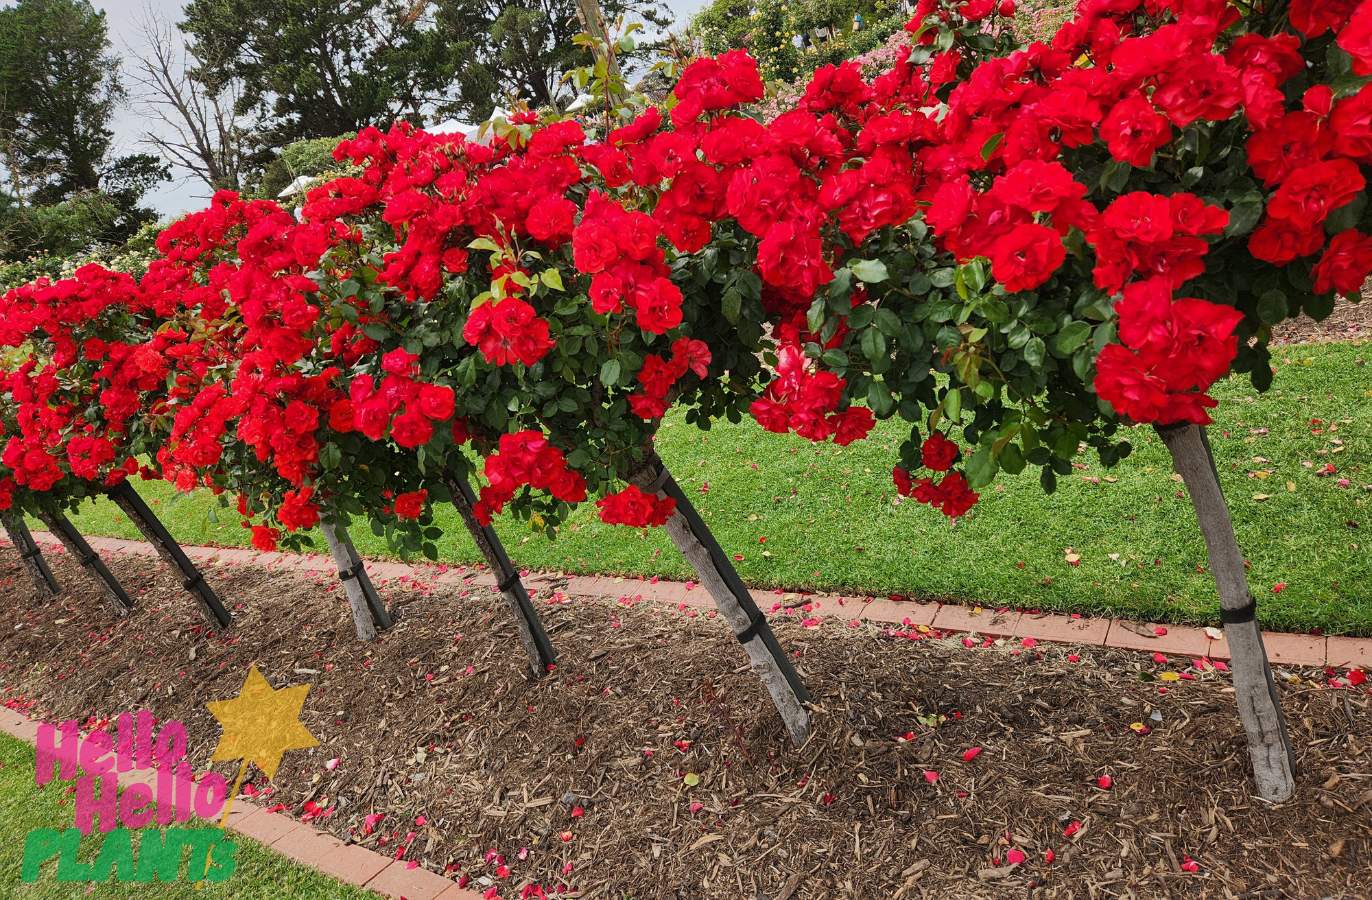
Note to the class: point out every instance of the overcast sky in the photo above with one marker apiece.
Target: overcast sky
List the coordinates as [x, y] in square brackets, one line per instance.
[125, 18]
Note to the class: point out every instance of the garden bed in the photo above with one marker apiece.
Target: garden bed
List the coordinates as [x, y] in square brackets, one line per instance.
[654, 732]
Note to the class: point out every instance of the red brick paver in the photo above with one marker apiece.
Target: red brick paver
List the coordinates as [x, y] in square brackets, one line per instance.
[1288, 649]
[396, 880]
[1179, 639]
[1063, 629]
[1348, 653]
[982, 620]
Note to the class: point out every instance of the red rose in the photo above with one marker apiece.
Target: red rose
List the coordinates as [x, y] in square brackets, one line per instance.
[436, 401]
[411, 505]
[938, 453]
[1133, 131]
[411, 429]
[264, 538]
[636, 508]
[1026, 257]
[1345, 265]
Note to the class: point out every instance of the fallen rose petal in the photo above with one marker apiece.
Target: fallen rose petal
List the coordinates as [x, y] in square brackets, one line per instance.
[970, 754]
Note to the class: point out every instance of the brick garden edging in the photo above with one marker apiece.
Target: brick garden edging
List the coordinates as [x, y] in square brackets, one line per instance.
[1283, 648]
[296, 840]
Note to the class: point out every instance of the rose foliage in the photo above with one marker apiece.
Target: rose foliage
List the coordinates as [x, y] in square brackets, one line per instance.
[1017, 250]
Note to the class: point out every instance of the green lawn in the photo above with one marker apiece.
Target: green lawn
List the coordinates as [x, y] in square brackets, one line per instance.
[24, 806]
[829, 517]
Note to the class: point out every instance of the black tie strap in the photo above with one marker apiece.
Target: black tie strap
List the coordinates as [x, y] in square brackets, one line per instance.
[194, 581]
[756, 621]
[658, 483]
[30, 553]
[1246, 613]
[509, 582]
[350, 574]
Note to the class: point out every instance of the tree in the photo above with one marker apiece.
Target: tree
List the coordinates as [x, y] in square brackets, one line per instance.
[202, 132]
[61, 84]
[520, 51]
[318, 68]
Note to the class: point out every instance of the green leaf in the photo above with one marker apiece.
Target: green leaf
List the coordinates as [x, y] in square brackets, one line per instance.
[991, 144]
[609, 372]
[484, 244]
[873, 344]
[731, 306]
[1035, 351]
[981, 468]
[879, 399]
[1243, 217]
[1272, 307]
[552, 278]
[869, 271]
[835, 359]
[1072, 336]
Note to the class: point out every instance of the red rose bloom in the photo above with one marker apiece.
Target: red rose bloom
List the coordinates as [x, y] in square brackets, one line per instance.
[411, 505]
[939, 453]
[1345, 265]
[1026, 257]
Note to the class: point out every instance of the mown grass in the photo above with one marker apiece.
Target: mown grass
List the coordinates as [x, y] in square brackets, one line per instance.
[817, 516]
[260, 873]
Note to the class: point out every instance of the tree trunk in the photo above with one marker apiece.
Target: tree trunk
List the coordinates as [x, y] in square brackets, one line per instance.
[695, 542]
[593, 20]
[34, 562]
[1269, 746]
[369, 613]
[536, 643]
[152, 529]
[81, 551]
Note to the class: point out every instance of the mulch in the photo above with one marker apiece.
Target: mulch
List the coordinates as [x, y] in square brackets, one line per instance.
[650, 764]
[1348, 322]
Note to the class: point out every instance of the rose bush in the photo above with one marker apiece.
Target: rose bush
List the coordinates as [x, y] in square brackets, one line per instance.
[1015, 250]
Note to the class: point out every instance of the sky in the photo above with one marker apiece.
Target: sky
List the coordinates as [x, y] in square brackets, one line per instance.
[125, 19]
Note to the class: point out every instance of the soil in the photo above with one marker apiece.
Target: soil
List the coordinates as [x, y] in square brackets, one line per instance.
[1348, 322]
[651, 765]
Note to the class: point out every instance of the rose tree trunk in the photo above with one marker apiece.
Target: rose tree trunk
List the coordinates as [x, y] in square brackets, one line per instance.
[695, 542]
[1269, 746]
[369, 613]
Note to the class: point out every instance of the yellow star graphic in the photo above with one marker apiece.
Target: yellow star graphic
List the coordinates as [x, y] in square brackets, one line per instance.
[261, 724]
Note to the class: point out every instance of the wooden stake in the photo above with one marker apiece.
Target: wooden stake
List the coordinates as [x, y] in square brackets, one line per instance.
[695, 541]
[369, 613]
[593, 20]
[531, 633]
[37, 566]
[152, 529]
[1269, 745]
[80, 550]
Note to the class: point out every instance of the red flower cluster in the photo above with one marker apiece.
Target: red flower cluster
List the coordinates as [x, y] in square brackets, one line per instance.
[636, 508]
[372, 409]
[805, 401]
[619, 249]
[658, 375]
[526, 458]
[1172, 351]
[1142, 235]
[951, 495]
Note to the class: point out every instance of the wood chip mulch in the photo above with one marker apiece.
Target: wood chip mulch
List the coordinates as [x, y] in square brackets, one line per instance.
[650, 764]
